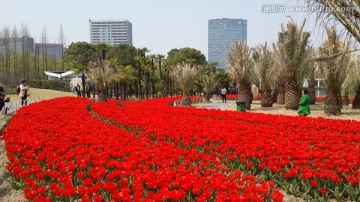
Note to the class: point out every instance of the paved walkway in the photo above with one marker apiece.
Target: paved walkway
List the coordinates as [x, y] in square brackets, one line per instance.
[216, 104]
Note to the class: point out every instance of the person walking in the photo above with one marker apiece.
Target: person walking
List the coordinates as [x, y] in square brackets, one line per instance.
[88, 89]
[78, 89]
[223, 94]
[304, 109]
[24, 92]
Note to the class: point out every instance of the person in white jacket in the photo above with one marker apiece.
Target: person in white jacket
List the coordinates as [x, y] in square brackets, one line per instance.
[24, 92]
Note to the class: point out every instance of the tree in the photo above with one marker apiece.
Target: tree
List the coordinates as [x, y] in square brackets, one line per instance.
[241, 69]
[222, 78]
[123, 55]
[79, 55]
[6, 54]
[141, 62]
[26, 51]
[187, 55]
[62, 42]
[354, 80]
[264, 63]
[344, 11]
[292, 49]
[334, 71]
[184, 75]
[15, 37]
[101, 74]
[207, 76]
[44, 41]
[159, 58]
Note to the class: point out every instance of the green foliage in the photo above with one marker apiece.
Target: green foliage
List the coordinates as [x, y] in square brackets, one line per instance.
[9, 89]
[61, 85]
[79, 55]
[222, 77]
[187, 55]
[207, 74]
[123, 55]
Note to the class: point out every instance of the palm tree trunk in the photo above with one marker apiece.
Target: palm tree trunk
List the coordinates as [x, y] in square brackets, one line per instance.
[345, 100]
[333, 103]
[102, 95]
[207, 96]
[312, 99]
[251, 96]
[245, 95]
[291, 94]
[281, 95]
[147, 88]
[83, 83]
[185, 100]
[274, 95]
[266, 99]
[139, 82]
[356, 102]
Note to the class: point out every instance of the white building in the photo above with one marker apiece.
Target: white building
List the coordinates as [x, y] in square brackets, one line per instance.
[111, 32]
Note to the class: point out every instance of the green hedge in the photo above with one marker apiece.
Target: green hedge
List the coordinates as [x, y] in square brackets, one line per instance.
[51, 84]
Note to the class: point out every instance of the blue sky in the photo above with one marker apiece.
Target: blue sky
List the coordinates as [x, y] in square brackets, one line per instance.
[159, 25]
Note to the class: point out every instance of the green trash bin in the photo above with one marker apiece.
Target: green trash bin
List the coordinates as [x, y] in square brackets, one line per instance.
[240, 106]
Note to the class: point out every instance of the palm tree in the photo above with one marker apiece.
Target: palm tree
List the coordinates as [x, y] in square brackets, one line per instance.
[277, 79]
[207, 77]
[350, 18]
[280, 98]
[310, 75]
[355, 80]
[334, 71]
[140, 65]
[159, 58]
[292, 49]
[264, 62]
[184, 75]
[241, 69]
[102, 74]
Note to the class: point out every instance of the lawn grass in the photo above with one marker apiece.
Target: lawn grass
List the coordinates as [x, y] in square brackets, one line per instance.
[40, 94]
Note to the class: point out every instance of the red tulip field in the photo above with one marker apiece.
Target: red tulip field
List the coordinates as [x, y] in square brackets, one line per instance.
[74, 149]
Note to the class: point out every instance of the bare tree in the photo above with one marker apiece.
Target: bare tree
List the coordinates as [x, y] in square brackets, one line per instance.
[15, 36]
[25, 51]
[62, 42]
[7, 54]
[43, 47]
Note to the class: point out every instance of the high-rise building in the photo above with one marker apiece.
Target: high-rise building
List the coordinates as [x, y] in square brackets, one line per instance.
[50, 49]
[223, 33]
[17, 44]
[111, 32]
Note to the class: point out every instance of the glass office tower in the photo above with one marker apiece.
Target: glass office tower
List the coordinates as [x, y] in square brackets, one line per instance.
[223, 33]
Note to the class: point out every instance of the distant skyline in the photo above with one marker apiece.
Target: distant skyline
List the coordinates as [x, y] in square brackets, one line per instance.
[159, 25]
